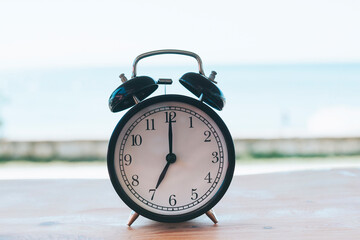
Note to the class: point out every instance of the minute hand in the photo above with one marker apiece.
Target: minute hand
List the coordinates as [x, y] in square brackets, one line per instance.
[170, 137]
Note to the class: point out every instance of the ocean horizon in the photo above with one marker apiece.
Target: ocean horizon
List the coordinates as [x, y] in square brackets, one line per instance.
[262, 100]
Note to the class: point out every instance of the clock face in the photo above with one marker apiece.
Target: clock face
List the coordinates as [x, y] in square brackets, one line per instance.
[171, 158]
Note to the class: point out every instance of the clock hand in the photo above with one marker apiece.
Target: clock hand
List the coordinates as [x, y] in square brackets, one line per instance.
[170, 158]
[170, 136]
[162, 175]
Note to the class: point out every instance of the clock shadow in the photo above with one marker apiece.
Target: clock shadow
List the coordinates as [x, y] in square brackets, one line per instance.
[201, 223]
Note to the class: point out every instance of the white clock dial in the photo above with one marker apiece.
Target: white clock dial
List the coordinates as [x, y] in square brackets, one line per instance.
[171, 158]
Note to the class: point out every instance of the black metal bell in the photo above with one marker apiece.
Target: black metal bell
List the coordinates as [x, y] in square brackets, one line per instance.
[199, 85]
[126, 94]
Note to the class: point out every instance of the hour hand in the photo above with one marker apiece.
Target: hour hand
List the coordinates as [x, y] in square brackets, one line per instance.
[162, 175]
[170, 158]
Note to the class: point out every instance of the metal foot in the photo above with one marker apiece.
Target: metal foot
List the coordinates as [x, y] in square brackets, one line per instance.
[133, 216]
[212, 216]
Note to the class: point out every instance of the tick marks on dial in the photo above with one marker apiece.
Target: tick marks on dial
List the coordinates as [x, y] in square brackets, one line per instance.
[170, 113]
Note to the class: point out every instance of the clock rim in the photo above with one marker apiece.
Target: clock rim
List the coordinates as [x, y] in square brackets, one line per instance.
[198, 211]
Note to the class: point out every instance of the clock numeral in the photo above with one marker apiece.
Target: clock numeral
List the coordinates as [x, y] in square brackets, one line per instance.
[215, 156]
[136, 140]
[135, 180]
[208, 178]
[171, 116]
[172, 200]
[207, 134]
[127, 159]
[191, 122]
[150, 125]
[153, 193]
[194, 194]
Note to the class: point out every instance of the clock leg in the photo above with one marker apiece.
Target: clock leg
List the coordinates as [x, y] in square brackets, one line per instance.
[212, 216]
[133, 216]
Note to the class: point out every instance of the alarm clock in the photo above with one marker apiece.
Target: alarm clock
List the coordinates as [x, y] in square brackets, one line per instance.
[171, 157]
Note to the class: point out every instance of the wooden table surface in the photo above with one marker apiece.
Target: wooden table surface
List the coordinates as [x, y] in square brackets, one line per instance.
[294, 205]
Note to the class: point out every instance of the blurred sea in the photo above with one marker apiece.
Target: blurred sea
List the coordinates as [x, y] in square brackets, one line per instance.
[302, 100]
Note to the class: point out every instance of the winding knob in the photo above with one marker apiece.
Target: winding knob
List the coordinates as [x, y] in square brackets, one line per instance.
[123, 78]
[212, 76]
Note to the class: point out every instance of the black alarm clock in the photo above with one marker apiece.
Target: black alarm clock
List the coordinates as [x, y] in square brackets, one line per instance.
[171, 157]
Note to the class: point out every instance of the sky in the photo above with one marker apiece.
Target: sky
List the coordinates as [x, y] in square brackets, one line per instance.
[40, 34]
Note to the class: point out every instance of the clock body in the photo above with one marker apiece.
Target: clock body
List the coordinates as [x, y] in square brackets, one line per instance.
[200, 172]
